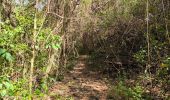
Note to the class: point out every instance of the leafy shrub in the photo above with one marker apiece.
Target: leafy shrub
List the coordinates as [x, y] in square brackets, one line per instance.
[165, 67]
[121, 91]
[17, 42]
[140, 56]
[10, 89]
[6, 55]
[6, 87]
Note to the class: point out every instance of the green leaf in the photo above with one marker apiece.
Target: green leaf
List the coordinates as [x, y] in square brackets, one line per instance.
[8, 57]
[12, 45]
[1, 86]
[55, 46]
[37, 91]
[3, 93]
[2, 51]
[7, 85]
[11, 87]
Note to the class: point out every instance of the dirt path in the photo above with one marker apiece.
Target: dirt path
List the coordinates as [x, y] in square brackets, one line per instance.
[82, 84]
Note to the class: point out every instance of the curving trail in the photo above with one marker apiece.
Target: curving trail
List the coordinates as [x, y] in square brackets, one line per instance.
[81, 83]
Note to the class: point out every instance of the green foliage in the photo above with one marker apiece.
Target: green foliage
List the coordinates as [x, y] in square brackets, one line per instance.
[16, 42]
[6, 87]
[11, 40]
[165, 67]
[116, 29]
[121, 91]
[12, 89]
[140, 56]
[6, 55]
[167, 62]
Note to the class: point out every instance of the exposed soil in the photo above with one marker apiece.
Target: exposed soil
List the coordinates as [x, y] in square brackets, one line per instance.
[81, 83]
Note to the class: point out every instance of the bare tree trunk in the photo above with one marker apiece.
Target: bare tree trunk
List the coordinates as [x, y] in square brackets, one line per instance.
[33, 54]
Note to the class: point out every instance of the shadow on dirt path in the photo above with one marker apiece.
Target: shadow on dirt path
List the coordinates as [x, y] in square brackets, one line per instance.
[81, 83]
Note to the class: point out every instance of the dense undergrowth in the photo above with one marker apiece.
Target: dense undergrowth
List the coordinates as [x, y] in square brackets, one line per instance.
[120, 47]
[127, 40]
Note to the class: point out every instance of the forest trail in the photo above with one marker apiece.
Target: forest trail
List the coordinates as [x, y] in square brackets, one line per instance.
[81, 83]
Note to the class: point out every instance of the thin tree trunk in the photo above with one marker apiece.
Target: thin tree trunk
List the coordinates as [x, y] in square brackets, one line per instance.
[148, 39]
[166, 24]
[33, 53]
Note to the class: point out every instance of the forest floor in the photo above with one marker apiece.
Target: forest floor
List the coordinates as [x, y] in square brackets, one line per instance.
[82, 83]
